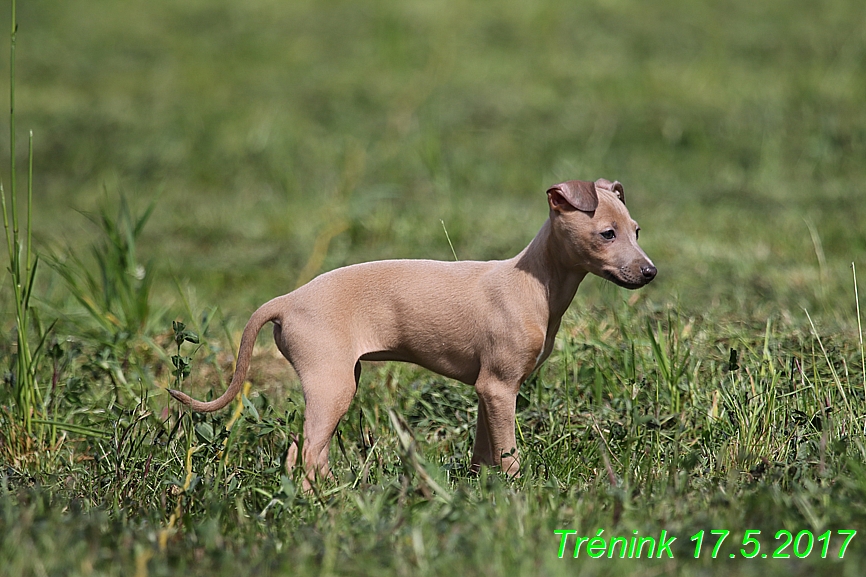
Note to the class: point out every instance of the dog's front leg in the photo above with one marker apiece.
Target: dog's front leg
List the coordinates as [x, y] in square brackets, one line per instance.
[495, 443]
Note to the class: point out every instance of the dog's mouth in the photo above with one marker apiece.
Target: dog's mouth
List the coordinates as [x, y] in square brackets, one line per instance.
[627, 283]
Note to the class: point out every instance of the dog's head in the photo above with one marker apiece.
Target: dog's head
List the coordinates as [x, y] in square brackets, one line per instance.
[595, 231]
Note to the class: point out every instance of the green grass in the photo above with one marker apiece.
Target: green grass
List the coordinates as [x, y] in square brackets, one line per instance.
[281, 139]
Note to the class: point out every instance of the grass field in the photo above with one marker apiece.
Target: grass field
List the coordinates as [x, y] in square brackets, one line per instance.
[193, 159]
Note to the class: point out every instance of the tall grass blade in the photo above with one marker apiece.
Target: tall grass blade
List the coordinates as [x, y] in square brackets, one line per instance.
[859, 326]
[73, 428]
[26, 391]
[448, 238]
[832, 368]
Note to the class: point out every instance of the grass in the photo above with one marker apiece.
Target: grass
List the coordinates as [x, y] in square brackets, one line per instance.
[609, 443]
[284, 139]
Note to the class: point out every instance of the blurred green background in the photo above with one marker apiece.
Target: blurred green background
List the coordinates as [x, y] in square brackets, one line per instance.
[737, 127]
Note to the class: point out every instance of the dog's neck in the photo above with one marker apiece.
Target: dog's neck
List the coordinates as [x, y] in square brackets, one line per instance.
[542, 260]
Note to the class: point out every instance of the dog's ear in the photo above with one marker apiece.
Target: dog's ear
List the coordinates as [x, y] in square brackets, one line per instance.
[615, 187]
[573, 194]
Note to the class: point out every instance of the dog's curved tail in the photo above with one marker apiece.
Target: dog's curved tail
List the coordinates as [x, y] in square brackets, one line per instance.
[263, 315]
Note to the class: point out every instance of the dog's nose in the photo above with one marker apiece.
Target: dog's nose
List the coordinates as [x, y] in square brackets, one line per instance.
[648, 272]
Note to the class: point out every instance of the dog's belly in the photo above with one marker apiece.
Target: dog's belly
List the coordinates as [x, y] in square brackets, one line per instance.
[454, 366]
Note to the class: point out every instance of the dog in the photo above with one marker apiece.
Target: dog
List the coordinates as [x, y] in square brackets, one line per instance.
[488, 324]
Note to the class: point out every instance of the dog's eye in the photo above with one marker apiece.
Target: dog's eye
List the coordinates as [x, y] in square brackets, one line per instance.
[608, 235]
[636, 234]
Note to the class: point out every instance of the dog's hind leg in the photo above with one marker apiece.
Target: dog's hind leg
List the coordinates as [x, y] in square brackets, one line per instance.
[329, 381]
[328, 392]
